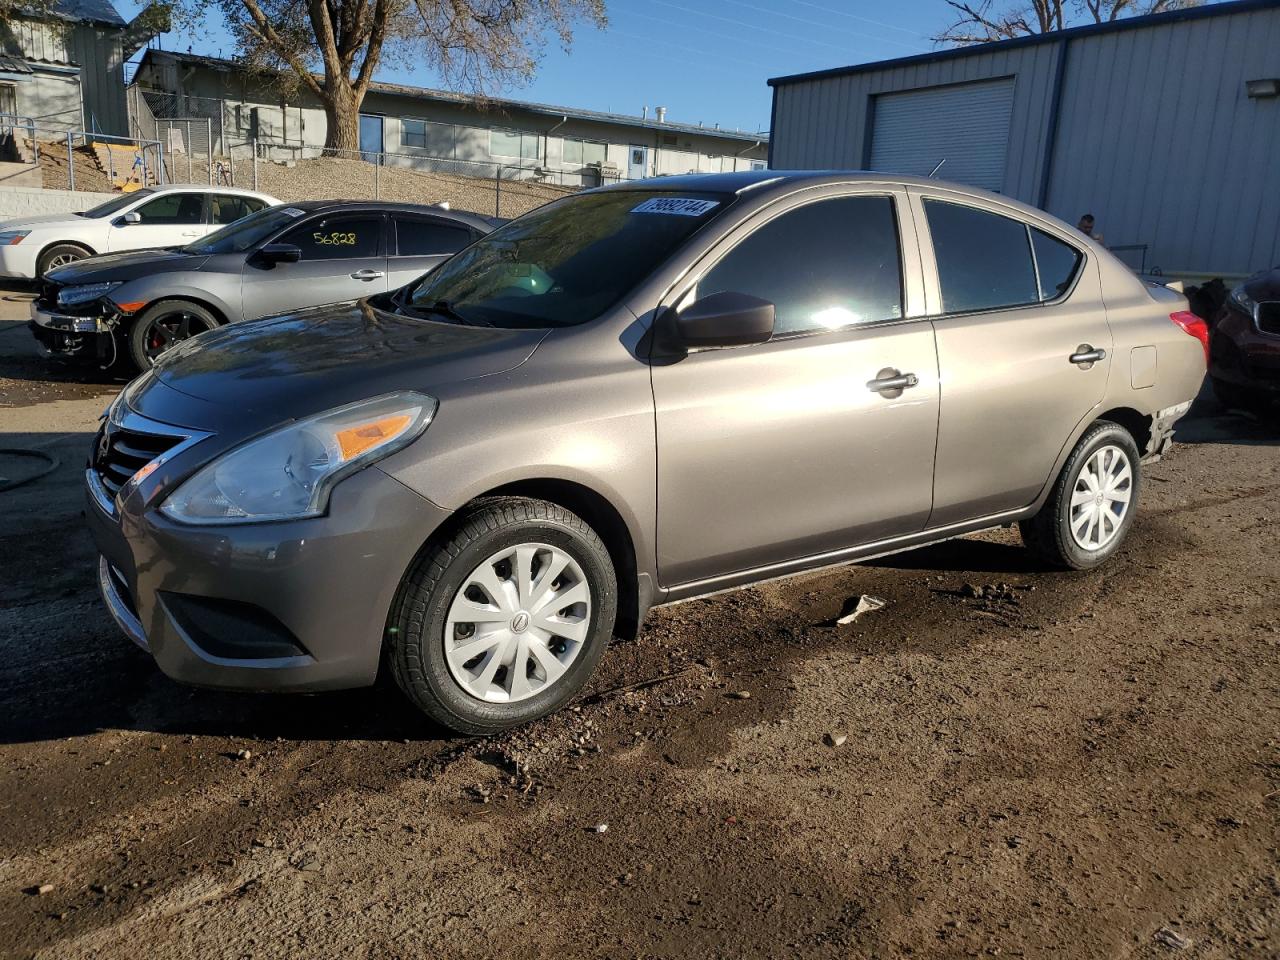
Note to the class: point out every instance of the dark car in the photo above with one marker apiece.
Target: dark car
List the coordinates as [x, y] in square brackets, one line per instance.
[139, 304]
[1244, 347]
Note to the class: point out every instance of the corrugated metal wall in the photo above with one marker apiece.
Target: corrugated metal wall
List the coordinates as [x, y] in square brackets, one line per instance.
[825, 124]
[1159, 141]
[1155, 134]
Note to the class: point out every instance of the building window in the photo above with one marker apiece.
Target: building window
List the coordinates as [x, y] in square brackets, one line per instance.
[512, 143]
[413, 133]
[583, 152]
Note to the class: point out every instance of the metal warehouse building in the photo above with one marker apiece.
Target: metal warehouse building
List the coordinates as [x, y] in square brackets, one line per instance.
[1165, 127]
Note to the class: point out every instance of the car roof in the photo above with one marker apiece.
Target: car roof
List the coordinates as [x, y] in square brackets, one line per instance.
[333, 206]
[763, 182]
[201, 188]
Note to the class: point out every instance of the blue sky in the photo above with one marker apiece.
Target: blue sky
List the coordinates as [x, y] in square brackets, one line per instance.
[704, 60]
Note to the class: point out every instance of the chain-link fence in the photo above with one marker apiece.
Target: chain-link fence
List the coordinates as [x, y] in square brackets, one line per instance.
[327, 173]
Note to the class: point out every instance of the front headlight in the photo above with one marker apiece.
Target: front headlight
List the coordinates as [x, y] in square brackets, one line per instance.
[287, 474]
[9, 238]
[1243, 300]
[70, 296]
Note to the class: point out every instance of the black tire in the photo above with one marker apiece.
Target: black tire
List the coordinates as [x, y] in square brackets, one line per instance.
[59, 255]
[163, 325]
[415, 647]
[1048, 534]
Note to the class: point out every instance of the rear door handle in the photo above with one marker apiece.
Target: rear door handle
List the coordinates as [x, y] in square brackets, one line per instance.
[889, 380]
[1086, 355]
[367, 275]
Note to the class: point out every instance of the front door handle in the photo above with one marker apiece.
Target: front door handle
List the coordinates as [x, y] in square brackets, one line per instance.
[891, 382]
[1086, 356]
[367, 275]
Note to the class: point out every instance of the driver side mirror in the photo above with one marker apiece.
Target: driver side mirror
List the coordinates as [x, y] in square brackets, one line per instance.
[724, 319]
[133, 216]
[272, 253]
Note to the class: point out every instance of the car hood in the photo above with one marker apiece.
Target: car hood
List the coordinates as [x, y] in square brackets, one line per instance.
[41, 220]
[1264, 286]
[255, 374]
[123, 267]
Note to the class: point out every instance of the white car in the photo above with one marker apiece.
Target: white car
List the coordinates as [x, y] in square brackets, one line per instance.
[166, 216]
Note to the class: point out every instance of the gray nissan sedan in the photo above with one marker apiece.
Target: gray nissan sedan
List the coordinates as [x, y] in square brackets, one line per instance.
[628, 397]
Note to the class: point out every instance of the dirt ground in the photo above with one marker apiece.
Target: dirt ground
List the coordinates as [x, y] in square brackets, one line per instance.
[1081, 765]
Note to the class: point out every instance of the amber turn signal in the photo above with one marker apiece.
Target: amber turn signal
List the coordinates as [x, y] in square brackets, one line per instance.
[356, 440]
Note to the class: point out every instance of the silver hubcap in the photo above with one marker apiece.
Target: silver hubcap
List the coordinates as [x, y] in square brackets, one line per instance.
[1101, 497]
[62, 259]
[517, 623]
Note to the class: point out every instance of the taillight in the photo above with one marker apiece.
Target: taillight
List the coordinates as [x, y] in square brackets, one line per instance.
[1193, 326]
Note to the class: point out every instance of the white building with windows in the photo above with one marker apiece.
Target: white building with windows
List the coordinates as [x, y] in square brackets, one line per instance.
[562, 144]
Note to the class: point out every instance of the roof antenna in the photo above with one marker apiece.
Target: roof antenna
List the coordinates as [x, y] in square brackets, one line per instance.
[937, 168]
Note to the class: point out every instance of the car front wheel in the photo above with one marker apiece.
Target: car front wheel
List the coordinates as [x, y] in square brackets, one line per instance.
[164, 325]
[505, 619]
[1091, 508]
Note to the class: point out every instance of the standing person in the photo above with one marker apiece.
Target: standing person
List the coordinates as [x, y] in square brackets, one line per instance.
[1085, 226]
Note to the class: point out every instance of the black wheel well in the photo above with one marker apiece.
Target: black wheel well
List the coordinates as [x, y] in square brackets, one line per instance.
[65, 243]
[604, 518]
[183, 298]
[1138, 425]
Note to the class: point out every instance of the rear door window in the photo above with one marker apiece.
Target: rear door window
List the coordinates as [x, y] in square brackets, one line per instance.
[337, 238]
[828, 264]
[228, 208]
[426, 237]
[984, 260]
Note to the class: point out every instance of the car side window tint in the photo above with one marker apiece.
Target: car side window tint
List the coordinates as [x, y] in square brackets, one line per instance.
[422, 237]
[1056, 262]
[170, 208]
[229, 209]
[336, 238]
[984, 259]
[825, 265]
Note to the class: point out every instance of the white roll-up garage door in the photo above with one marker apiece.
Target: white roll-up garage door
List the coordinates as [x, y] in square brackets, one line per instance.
[965, 124]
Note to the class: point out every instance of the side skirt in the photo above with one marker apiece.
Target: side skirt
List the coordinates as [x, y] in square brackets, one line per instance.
[709, 587]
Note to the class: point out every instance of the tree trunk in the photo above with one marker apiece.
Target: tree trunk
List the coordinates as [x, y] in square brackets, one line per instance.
[342, 110]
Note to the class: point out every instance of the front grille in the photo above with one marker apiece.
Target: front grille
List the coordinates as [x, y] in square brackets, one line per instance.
[1269, 324]
[119, 453]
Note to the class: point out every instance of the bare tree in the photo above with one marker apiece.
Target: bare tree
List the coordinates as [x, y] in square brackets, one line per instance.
[982, 21]
[333, 47]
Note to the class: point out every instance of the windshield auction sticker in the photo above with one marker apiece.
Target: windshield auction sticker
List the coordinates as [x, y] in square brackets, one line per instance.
[677, 206]
[293, 211]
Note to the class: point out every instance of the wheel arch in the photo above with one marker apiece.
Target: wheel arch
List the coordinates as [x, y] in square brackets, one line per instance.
[1138, 424]
[607, 521]
[634, 596]
[64, 243]
[219, 311]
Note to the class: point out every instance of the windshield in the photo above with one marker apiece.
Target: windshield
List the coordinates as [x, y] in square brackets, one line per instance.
[116, 203]
[565, 263]
[245, 233]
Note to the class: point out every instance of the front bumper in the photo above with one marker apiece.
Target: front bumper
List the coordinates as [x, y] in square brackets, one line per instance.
[67, 322]
[295, 605]
[19, 259]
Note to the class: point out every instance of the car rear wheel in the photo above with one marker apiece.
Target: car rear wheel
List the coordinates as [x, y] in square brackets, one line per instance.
[164, 325]
[1091, 508]
[505, 619]
[59, 255]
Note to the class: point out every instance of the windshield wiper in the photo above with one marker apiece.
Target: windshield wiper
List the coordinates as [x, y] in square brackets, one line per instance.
[442, 308]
